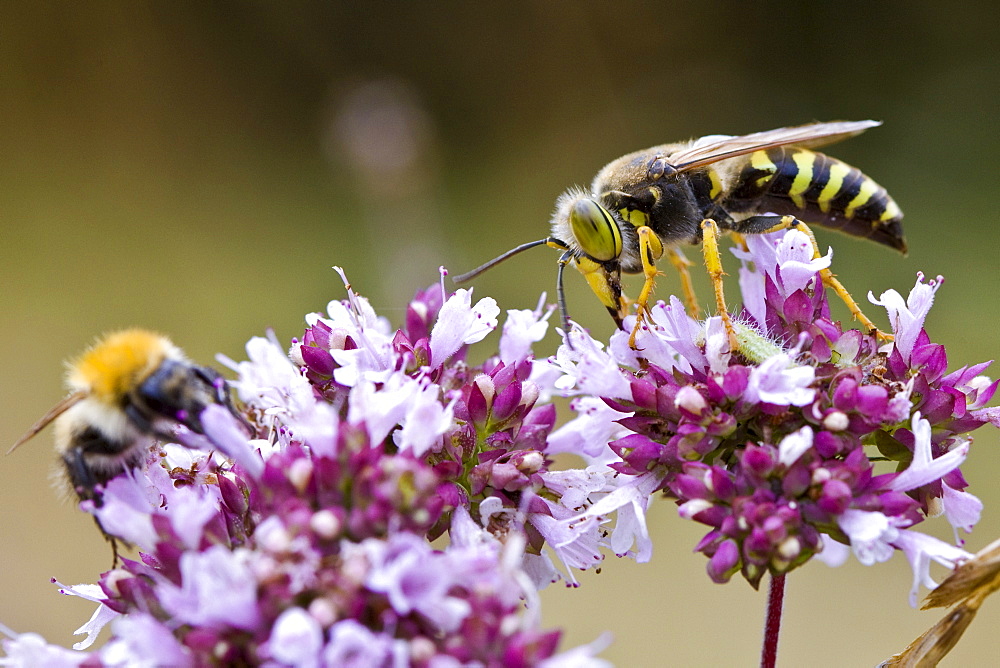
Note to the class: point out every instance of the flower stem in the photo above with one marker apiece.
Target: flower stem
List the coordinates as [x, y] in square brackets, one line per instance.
[772, 622]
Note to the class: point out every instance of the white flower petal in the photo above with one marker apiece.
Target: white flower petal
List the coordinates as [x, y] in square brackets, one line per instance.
[907, 318]
[521, 329]
[923, 469]
[795, 445]
[459, 323]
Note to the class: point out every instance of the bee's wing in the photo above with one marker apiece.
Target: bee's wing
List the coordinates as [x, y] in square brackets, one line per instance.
[44, 421]
[700, 154]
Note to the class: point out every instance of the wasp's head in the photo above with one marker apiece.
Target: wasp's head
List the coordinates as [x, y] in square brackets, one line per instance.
[587, 227]
[594, 236]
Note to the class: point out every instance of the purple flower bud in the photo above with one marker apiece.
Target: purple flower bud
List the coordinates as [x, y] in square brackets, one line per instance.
[666, 400]
[757, 547]
[930, 359]
[721, 484]
[835, 497]
[506, 402]
[896, 503]
[872, 400]
[687, 486]
[757, 460]
[321, 336]
[317, 360]
[798, 308]
[735, 381]
[796, 481]
[845, 395]
[774, 527]
[690, 400]
[643, 393]
[480, 399]
[725, 562]
[938, 406]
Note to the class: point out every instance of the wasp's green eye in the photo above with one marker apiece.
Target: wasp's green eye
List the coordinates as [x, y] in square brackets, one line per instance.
[595, 230]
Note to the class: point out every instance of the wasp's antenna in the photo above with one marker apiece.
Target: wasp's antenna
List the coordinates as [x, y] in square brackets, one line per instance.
[56, 411]
[468, 276]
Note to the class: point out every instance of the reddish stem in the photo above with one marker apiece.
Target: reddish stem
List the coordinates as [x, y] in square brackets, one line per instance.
[772, 623]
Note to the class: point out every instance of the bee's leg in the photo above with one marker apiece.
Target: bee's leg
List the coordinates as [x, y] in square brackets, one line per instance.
[681, 264]
[650, 250]
[115, 542]
[765, 224]
[81, 476]
[115, 556]
[713, 262]
[87, 487]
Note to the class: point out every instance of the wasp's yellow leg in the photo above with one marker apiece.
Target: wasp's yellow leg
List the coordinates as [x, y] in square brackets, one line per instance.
[713, 262]
[681, 264]
[650, 250]
[828, 277]
[831, 281]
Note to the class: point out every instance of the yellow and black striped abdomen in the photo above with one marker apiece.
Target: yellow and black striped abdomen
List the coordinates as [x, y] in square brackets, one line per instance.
[817, 189]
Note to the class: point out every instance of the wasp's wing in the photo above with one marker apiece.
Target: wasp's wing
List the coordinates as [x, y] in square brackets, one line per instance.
[700, 154]
[55, 412]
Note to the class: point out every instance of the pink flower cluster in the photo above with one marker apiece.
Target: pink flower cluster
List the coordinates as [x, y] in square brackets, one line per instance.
[311, 546]
[803, 439]
[309, 543]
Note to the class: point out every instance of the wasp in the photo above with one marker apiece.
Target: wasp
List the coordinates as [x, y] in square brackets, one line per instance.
[645, 205]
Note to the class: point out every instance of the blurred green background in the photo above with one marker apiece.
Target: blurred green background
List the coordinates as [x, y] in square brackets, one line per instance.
[197, 168]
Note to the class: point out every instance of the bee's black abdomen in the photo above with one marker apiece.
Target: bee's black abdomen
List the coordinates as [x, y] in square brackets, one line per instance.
[818, 189]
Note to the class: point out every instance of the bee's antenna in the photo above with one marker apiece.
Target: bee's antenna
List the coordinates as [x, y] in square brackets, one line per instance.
[55, 412]
[468, 276]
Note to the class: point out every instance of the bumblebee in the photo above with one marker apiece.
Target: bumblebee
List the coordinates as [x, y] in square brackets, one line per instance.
[128, 390]
[648, 203]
